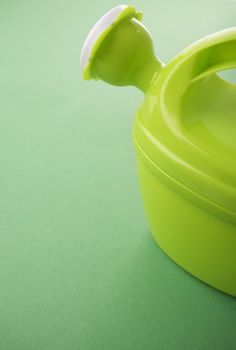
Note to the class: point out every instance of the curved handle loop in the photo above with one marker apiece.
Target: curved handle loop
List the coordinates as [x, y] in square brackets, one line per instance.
[218, 54]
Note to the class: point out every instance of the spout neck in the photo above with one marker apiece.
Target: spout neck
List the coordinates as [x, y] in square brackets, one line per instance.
[147, 74]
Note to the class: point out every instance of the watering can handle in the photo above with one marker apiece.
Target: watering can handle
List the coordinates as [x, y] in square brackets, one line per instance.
[215, 53]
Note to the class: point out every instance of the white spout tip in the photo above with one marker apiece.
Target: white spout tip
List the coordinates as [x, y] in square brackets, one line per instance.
[98, 29]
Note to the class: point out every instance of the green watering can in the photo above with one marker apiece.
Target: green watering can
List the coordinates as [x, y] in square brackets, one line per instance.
[185, 138]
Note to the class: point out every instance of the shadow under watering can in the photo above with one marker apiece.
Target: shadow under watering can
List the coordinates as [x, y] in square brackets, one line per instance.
[184, 135]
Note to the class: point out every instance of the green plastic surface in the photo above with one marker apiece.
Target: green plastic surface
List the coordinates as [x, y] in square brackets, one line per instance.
[189, 131]
[79, 269]
[185, 137]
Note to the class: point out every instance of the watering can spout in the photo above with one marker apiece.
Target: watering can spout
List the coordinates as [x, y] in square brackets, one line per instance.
[119, 50]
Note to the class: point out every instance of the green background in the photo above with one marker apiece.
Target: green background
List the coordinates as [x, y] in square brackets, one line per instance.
[79, 269]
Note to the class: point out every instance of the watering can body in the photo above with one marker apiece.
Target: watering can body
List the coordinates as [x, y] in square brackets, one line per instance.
[184, 136]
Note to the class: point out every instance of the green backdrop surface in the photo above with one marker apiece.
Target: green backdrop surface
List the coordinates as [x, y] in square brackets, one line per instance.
[79, 269]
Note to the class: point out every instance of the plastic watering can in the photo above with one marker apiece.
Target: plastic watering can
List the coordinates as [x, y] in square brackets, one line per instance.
[185, 138]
